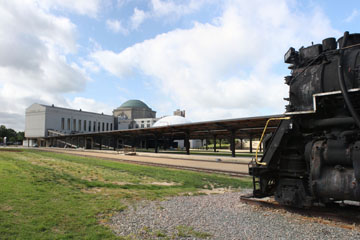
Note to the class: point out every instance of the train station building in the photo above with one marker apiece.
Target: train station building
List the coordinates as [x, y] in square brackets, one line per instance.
[134, 124]
[44, 120]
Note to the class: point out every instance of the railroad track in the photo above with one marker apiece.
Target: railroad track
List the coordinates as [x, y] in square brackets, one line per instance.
[196, 169]
[206, 170]
[200, 160]
[345, 216]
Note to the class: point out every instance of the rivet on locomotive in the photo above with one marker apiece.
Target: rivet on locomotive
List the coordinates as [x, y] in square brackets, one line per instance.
[314, 155]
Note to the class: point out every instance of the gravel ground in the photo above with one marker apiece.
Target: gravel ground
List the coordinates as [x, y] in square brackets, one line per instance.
[220, 216]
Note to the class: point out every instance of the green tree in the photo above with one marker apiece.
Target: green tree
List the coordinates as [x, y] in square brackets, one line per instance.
[3, 131]
[10, 134]
[20, 136]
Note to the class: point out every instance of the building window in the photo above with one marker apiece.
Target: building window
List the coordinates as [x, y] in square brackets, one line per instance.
[142, 121]
[111, 127]
[148, 125]
[84, 125]
[94, 127]
[107, 126]
[89, 126]
[98, 126]
[137, 125]
[62, 123]
[142, 125]
[103, 126]
[68, 124]
[74, 127]
[79, 125]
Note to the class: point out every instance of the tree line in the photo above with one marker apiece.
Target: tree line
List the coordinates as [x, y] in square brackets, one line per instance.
[11, 135]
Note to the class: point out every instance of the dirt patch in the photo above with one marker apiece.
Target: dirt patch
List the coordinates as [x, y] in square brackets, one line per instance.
[6, 208]
[165, 183]
[216, 191]
[92, 190]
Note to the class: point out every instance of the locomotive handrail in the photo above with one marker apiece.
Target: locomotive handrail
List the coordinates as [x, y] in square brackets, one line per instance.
[262, 136]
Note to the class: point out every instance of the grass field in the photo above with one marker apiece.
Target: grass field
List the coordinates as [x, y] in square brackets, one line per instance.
[57, 196]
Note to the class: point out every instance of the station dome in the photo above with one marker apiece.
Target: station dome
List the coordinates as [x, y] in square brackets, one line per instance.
[134, 103]
[170, 120]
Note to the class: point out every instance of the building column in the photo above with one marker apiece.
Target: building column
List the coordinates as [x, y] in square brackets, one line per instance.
[146, 143]
[232, 143]
[115, 143]
[251, 150]
[133, 142]
[187, 143]
[156, 144]
[214, 143]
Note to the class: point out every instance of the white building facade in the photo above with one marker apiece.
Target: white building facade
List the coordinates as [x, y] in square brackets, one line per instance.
[41, 119]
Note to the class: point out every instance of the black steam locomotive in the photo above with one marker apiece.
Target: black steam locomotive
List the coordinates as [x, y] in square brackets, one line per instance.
[314, 155]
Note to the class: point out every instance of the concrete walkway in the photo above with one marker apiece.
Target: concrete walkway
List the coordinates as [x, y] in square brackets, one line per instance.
[228, 164]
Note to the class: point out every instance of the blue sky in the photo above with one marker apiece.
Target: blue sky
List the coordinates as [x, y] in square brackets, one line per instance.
[215, 59]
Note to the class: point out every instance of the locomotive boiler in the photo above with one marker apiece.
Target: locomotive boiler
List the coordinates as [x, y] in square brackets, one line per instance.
[314, 154]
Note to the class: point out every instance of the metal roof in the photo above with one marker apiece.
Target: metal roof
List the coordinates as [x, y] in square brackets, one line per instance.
[241, 127]
[134, 103]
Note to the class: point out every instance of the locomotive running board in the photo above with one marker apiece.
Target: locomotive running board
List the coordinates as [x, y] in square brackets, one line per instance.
[314, 101]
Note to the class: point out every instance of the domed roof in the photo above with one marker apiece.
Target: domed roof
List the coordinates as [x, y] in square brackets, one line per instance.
[170, 120]
[133, 103]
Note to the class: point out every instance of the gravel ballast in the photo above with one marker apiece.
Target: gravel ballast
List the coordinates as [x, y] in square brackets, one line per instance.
[219, 216]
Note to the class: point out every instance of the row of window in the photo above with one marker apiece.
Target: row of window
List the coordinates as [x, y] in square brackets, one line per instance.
[137, 125]
[143, 124]
[79, 125]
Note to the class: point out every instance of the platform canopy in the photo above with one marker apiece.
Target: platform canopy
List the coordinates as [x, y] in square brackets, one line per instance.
[245, 128]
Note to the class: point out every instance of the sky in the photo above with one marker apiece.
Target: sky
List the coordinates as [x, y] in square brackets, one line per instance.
[216, 59]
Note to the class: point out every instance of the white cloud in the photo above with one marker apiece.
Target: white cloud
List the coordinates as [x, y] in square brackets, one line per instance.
[166, 7]
[34, 46]
[90, 105]
[116, 26]
[352, 16]
[90, 65]
[137, 18]
[226, 68]
[82, 7]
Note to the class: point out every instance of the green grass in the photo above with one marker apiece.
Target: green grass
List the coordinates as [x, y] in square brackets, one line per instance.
[187, 231]
[57, 196]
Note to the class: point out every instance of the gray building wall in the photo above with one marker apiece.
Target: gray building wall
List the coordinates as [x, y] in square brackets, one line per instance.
[35, 121]
[144, 122]
[41, 118]
[132, 113]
